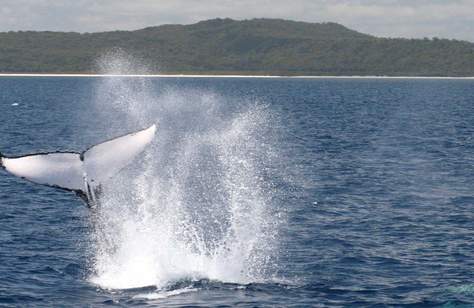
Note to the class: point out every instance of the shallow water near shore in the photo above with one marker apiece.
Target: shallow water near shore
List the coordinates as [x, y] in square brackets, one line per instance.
[255, 192]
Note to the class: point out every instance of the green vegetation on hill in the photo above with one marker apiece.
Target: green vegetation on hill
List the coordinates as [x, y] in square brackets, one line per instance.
[226, 46]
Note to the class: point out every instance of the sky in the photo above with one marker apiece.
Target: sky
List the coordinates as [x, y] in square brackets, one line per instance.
[387, 18]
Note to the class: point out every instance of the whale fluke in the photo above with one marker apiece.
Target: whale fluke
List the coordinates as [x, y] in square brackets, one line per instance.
[83, 172]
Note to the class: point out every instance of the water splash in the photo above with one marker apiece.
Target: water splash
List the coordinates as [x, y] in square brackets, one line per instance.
[199, 204]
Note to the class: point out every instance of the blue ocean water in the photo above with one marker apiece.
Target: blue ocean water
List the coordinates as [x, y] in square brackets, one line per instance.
[257, 192]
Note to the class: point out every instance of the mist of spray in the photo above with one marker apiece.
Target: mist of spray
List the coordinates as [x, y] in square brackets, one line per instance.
[198, 204]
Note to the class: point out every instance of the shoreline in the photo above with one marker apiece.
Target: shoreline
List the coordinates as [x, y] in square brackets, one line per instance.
[228, 76]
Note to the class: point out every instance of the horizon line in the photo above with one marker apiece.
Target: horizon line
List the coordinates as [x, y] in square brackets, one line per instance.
[227, 76]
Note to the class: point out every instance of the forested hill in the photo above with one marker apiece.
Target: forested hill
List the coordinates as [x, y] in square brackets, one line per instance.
[226, 46]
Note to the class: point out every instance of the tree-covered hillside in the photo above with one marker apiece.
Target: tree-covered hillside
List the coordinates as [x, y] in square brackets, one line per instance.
[226, 46]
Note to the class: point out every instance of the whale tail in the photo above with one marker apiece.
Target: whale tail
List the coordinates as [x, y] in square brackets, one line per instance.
[82, 172]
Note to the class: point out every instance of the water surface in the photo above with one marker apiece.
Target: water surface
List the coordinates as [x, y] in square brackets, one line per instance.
[256, 192]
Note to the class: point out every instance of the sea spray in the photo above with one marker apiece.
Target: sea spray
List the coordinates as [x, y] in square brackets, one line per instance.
[198, 205]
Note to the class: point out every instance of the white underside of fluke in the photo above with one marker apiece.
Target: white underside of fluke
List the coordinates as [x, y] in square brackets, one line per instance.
[74, 171]
[56, 169]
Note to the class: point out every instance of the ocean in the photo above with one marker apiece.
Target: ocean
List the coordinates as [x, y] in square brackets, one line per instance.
[256, 192]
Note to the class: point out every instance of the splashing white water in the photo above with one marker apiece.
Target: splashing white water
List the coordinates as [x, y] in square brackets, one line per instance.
[165, 294]
[198, 205]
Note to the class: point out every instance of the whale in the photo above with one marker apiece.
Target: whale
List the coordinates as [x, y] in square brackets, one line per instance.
[84, 172]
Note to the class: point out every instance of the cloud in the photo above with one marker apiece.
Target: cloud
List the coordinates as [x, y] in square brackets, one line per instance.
[393, 18]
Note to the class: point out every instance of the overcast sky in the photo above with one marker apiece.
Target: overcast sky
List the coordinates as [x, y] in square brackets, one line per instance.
[391, 18]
